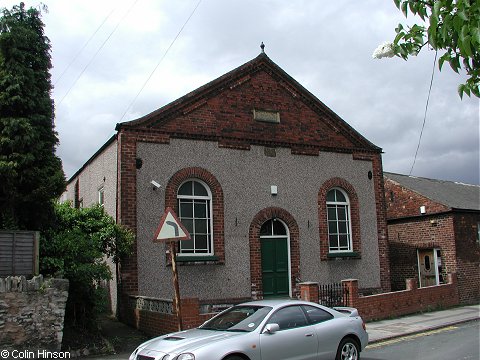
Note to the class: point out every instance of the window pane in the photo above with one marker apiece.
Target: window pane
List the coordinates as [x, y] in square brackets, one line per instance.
[344, 242]
[266, 228]
[342, 212]
[279, 228]
[340, 196]
[289, 318]
[331, 196]
[200, 209]
[201, 243]
[316, 315]
[332, 227]
[199, 189]
[186, 208]
[188, 223]
[185, 189]
[333, 239]
[200, 226]
[342, 227]
[186, 246]
[332, 213]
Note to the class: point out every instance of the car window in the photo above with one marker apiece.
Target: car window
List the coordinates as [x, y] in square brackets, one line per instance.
[316, 315]
[238, 318]
[289, 317]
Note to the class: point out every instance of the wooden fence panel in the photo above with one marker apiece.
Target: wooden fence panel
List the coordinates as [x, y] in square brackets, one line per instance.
[19, 253]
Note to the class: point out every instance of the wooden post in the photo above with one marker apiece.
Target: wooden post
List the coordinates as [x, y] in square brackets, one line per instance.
[176, 285]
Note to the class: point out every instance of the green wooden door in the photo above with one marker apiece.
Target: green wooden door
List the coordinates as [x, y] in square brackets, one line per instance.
[275, 267]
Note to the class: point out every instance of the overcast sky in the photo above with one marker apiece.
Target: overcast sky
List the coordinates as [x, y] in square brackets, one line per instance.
[104, 51]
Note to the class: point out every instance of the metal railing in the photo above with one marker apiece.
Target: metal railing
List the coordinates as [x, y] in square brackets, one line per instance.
[335, 294]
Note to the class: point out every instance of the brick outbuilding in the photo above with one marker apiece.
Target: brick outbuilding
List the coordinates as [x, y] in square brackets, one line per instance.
[433, 230]
[274, 187]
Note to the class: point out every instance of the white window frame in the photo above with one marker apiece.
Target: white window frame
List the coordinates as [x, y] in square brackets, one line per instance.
[349, 222]
[210, 233]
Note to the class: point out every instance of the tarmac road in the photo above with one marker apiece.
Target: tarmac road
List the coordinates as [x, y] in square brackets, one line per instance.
[451, 343]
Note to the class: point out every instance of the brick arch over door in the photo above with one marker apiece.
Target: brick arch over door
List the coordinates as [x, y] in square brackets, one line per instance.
[322, 214]
[255, 250]
[217, 202]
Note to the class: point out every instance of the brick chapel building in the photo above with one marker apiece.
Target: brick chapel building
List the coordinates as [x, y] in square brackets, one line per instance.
[274, 187]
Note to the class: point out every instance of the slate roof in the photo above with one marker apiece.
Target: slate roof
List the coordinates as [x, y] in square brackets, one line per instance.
[452, 194]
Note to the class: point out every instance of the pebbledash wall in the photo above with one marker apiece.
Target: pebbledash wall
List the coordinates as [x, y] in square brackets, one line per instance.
[32, 313]
[245, 178]
[99, 172]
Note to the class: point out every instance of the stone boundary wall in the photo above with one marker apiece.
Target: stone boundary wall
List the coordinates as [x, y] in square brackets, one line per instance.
[394, 304]
[32, 313]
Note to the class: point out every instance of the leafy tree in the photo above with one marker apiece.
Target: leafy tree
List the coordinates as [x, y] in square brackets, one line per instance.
[31, 174]
[453, 26]
[75, 248]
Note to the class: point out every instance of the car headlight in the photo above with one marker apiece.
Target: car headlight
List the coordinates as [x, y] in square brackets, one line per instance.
[186, 356]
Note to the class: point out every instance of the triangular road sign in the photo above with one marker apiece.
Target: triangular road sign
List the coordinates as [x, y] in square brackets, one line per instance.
[170, 228]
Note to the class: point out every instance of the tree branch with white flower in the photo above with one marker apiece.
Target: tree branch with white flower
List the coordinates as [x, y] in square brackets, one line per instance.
[450, 25]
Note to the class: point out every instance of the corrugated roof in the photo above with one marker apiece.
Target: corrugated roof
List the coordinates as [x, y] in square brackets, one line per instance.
[452, 194]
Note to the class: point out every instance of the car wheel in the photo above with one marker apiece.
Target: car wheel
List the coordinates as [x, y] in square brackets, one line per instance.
[348, 350]
[234, 357]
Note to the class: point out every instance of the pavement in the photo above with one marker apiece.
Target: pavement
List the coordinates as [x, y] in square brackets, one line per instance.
[125, 339]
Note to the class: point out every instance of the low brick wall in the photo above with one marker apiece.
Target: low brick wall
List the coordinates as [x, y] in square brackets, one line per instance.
[394, 304]
[157, 316]
[32, 313]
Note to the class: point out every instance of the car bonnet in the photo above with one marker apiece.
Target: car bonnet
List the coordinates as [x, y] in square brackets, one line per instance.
[186, 341]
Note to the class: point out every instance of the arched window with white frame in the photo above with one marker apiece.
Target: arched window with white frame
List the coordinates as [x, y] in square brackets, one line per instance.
[195, 212]
[339, 224]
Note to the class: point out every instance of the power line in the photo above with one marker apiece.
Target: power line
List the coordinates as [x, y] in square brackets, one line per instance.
[160, 61]
[83, 47]
[96, 53]
[425, 114]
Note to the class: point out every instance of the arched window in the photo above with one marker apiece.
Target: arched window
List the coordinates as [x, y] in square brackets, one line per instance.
[195, 212]
[338, 217]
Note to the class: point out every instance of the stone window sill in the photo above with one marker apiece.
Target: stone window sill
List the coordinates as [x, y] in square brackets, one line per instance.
[343, 255]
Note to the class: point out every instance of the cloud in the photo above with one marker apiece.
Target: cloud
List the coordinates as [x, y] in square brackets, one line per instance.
[326, 46]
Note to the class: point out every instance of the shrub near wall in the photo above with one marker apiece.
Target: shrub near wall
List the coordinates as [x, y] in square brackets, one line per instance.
[32, 313]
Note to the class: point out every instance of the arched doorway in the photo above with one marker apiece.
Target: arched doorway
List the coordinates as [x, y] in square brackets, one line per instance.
[262, 218]
[275, 258]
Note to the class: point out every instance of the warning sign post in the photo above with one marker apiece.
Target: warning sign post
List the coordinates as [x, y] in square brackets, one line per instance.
[172, 230]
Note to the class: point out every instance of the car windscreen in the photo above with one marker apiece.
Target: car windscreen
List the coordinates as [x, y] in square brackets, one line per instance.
[242, 318]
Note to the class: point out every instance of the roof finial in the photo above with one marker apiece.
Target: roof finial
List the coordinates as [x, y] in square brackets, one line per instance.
[262, 46]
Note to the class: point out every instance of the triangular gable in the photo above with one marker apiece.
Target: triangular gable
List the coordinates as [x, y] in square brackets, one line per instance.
[235, 109]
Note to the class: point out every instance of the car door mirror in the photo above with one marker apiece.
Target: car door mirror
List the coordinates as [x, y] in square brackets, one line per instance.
[271, 328]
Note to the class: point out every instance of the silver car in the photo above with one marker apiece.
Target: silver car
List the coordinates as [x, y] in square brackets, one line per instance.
[265, 330]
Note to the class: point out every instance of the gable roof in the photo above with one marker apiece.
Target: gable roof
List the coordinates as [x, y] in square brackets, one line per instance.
[455, 195]
[238, 77]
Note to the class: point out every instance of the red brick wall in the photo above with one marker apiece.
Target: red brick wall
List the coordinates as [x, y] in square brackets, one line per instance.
[402, 202]
[406, 236]
[468, 256]
[412, 300]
